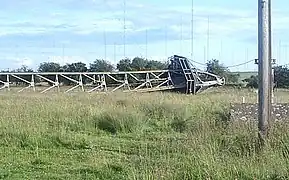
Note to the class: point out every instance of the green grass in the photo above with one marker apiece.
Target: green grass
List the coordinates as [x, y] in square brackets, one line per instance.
[136, 136]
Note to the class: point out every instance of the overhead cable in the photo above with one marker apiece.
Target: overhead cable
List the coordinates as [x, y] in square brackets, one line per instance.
[236, 65]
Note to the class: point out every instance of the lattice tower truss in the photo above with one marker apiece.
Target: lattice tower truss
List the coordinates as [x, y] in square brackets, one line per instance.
[180, 76]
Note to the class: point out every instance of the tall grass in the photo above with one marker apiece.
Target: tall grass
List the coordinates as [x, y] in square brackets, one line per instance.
[135, 136]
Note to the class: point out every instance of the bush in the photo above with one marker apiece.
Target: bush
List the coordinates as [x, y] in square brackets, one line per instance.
[120, 122]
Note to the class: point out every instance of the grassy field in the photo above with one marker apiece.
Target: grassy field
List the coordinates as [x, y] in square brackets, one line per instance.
[136, 136]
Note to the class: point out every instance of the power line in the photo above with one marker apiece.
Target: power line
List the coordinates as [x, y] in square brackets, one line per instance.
[236, 65]
[203, 64]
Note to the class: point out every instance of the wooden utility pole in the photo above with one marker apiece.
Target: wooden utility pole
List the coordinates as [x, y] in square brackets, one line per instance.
[270, 55]
[264, 67]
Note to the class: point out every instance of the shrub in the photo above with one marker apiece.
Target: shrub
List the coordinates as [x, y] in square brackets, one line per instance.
[120, 122]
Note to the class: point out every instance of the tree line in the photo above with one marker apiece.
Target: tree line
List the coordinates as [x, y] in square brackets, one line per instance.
[281, 78]
[100, 65]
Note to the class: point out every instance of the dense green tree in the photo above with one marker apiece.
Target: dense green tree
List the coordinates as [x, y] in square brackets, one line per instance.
[75, 67]
[233, 78]
[281, 76]
[214, 67]
[252, 81]
[24, 68]
[124, 65]
[49, 67]
[156, 65]
[139, 64]
[100, 65]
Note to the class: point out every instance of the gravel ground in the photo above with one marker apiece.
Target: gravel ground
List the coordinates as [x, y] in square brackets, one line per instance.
[247, 112]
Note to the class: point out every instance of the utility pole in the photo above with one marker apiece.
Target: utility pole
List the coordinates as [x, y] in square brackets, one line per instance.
[114, 52]
[181, 40]
[264, 71]
[166, 41]
[273, 61]
[124, 29]
[146, 44]
[208, 39]
[104, 39]
[63, 61]
[270, 54]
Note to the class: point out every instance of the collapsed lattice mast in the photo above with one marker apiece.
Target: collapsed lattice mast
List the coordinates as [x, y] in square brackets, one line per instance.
[180, 76]
[193, 79]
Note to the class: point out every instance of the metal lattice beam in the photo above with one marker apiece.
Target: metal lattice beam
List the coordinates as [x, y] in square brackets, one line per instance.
[179, 76]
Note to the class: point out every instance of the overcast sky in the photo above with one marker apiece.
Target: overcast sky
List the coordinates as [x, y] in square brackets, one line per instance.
[34, 31]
